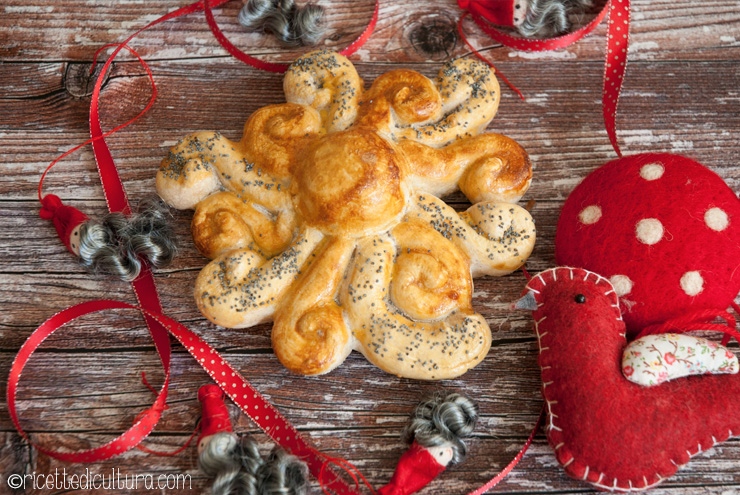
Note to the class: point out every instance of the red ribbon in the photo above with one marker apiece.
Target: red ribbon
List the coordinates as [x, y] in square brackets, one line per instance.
[161, 326]
[518, 457]
[615, 66]
[278, 67]
[617, 40]
[616, 52]
[251, 402]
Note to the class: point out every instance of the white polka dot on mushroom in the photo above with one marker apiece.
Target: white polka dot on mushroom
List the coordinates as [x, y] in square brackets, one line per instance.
[590, 214]
[652, 171]
[649, 231]
[716, 219]
[622, 284]
[692, 283]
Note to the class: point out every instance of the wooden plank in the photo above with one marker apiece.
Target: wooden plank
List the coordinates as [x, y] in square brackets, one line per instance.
[84, 386]
[73, 31]
[559, 124]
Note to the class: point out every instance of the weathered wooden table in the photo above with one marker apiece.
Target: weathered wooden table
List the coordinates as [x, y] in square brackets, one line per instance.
[83, 387]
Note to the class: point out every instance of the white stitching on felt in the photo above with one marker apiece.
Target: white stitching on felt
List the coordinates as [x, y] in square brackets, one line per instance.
[571, 273]
[674, 462]
[570, 461]
[539, 336]
[539, 340]
[554, 275]
[551, 416]
[585, 475]
[559, 445]
[597, 484]
[714, 441]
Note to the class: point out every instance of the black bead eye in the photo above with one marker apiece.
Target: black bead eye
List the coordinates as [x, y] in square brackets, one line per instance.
[580, 298]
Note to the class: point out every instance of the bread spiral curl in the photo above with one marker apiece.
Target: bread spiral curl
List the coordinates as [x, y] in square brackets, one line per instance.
[240, 288]
[431, 276]
[309, 335]
[223, 222]
[328, 82]
[256, 168]
[257, 209]
[397, 98]
[461, 102]
[438, 349]
[497, 237]
[487, 167]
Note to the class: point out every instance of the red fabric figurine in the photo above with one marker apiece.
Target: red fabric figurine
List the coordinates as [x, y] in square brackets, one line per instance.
[436, 435]
[532, 18]
[117, 243]
[500, 12]
[654, 240]
[234, 461]
[214, 414]
[66, 219]
[417, 467]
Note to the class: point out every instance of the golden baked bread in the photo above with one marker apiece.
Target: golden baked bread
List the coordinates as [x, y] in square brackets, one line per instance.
[326, 219]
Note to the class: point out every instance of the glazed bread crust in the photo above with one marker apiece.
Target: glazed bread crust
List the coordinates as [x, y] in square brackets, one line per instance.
[325, 217]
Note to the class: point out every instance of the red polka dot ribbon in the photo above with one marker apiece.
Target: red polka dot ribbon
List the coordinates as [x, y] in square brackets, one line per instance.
[617, 40]
[251, 402]
[616, 52]
[159, 325]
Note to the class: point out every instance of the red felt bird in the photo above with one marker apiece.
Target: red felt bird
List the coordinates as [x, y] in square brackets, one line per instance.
[604, 429]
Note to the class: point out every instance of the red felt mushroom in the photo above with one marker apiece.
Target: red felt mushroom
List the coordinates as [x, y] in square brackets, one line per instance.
[664, 229]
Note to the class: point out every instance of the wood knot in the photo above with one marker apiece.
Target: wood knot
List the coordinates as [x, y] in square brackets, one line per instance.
[79, 82]
[434, 36]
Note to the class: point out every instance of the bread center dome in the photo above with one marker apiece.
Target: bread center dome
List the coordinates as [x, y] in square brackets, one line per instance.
[351, 183]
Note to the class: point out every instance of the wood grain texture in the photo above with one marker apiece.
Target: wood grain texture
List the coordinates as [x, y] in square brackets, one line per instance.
[83, 387]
